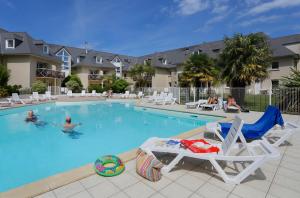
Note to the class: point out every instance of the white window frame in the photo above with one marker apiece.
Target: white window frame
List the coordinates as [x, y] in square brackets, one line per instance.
[99, 60]
[66, 65]
[6, 44]
[78, 59]
[164, 61]
[45, 47]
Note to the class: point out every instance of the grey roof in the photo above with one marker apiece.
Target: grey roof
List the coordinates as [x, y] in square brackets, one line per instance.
[24, 45]
[174, 57]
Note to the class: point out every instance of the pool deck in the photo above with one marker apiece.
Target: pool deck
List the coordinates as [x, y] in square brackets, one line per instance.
[280, 178]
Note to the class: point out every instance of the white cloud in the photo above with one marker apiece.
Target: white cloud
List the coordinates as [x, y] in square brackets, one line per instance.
[274, 4]
[189, 7]
[262, 19]
[220, 6]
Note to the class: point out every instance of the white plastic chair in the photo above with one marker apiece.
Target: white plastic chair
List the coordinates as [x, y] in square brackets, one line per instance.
[70, 93]
[259, 152]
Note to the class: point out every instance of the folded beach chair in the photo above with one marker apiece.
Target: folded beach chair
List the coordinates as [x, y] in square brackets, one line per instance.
[258, 153]
[213, 107]
[36, 97]
[16, 99]
[196, 104]
[94, 93]
[165, 99]
[264, 128]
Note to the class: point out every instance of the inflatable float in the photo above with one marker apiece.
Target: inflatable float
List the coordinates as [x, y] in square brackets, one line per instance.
[109, 166]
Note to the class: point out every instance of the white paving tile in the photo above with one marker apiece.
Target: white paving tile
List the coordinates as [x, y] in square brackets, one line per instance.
[91, 181]
[83, 194]
[139, 190]
[175, 190]
[246, 191]
[68, 190]
[104, 189]
[287, 182]
[49, 194]
[210, 190]
[282, 192]
[221, 184]
[190, 182]
[119, 195]
[288, 173]
[157, 195]
[124, 180]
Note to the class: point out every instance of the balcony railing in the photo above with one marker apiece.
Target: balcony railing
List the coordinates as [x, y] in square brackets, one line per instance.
[48, 73]
[95, 77]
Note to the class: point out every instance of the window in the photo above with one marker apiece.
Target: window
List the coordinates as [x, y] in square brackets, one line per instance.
[10, 43]
[197, 52]
[45, 49]
[164, 61]
[99, 59]
[117, 60]
[275, 84]
[66, 59]
[216, 50]
[101, 73]
[94, 72]
[275, 65]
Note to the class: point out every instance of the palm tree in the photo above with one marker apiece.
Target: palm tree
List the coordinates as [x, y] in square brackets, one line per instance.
[245, 59]
[142, 74]
[199, 69]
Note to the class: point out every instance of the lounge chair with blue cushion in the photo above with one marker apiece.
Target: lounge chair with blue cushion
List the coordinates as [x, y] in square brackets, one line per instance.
[264, 128]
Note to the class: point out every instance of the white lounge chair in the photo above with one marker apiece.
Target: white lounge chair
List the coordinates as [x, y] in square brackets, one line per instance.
[16, 99]
[49, 96]
[94, 93]
[104, 94]
[140, 95]
[153, 97]
[5, 103]
[275, 136]
[213, 107]
[168, 99]
[258, 152]
[160, 98]
[83, 93]
[125, 95]
[70, 93]
[191, 105]
[36, 97]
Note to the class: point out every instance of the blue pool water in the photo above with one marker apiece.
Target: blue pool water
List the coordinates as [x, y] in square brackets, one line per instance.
[29, 153]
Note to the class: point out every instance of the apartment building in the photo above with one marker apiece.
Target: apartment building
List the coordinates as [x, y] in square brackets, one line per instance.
[29, 59]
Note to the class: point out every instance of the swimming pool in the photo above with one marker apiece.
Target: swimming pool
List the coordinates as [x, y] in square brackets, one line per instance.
[30, 153]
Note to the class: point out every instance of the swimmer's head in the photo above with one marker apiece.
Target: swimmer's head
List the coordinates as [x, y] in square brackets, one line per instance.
[30, 113]
[68, 119]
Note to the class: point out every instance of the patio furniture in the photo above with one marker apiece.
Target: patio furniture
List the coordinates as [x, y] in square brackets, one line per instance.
[5, 103]
[17, 100]
[49, 96]
[125, 95]
[165, 99]
[262, 128]
[70, 93]
[153, 97]
[140, 95]
[36, 97]
[94, 93]
[258, 153]
[193, 105]
[83, 93]
[213, 107]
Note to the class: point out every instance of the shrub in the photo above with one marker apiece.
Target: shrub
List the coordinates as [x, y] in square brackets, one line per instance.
[4, 76]
[39, 86]
[71, 77]
[74, 86]
[119, 85]
[96, 87]
[3, 92]
[13, 89]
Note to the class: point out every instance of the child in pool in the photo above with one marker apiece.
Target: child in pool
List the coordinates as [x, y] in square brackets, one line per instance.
[68, 126]
[31, 117]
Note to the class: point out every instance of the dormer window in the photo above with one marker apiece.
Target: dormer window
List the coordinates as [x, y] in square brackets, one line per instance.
[164, 61]
[117, 60]
[45, 49]
[99, 59]
[79, 59]
[10, 43]
[197, 52]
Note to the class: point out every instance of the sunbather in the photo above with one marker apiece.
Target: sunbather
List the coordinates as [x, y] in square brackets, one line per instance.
[212, 100]
[231, 103]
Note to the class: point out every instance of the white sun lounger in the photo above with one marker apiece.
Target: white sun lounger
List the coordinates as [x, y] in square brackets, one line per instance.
[5, 103]
[16, 99]
[166, 99]
[275, 136]
[140, 95]
[70, 93]
[196, 104]
[49, 96]
[259, 152]
[36, 97]
[153, 97]
[125, 95]
[94, 93]
[213, 107]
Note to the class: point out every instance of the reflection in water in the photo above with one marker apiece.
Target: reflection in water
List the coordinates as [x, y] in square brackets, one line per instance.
[40, 124]
[74, 134]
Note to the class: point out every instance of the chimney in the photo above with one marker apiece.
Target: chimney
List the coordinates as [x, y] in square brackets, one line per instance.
[86, 47]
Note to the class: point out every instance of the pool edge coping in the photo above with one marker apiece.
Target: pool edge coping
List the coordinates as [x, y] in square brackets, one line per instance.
[61, 179]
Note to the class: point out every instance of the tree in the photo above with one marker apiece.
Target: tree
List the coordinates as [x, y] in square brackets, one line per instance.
[73, 77]
[74, 86]
[142, 74]
[293, 80]
[244, 59]
[4, 76]
[119, 86]
[39, 86]
[199, 69]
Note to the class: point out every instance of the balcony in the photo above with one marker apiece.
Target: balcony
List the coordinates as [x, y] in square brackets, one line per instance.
[95, 77]
[48, 73]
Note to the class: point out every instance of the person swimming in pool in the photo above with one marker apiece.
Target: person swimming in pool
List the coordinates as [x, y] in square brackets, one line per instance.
[68, 126]
[31, 117]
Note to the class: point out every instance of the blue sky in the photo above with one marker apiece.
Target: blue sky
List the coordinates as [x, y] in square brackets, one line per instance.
[138, 27]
